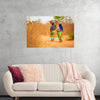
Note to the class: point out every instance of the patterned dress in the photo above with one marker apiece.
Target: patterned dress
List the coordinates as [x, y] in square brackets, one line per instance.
[52, 30]
[60, 35]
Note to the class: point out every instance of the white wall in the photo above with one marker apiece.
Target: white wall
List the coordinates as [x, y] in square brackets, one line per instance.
[13, 50]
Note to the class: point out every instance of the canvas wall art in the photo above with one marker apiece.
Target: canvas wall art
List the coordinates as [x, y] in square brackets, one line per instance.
[50, 32]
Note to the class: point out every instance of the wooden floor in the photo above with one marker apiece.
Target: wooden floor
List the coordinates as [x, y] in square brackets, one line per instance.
[46, 98]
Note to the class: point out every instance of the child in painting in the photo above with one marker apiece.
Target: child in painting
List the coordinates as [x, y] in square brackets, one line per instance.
[52, 30]
[59, 32]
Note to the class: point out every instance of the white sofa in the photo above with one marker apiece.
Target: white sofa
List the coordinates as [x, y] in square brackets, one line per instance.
[53, 87]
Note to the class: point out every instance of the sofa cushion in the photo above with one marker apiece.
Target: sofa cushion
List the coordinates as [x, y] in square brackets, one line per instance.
[25, 86]
[50, 86]
[70, 87]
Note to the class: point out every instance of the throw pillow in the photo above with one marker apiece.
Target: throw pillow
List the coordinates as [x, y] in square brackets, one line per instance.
[32, 73]
[16, 74]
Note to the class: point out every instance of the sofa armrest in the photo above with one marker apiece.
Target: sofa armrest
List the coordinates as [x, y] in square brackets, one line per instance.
[90, 76]
[8, 82]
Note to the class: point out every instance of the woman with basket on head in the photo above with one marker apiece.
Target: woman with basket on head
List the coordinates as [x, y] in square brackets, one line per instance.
[53, 30]
[59, 32]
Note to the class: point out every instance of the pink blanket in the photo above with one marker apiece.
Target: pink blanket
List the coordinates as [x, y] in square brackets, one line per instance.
[72, 75]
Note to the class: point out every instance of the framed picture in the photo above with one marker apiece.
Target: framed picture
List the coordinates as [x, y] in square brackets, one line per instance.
[50, 32]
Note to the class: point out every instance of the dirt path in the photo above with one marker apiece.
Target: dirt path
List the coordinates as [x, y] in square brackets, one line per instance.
[56, 44]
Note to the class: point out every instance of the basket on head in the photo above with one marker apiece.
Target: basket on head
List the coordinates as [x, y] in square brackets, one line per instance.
[52, 21]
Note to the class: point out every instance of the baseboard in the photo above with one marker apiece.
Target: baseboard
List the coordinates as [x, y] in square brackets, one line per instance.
[43, 97]
[4, 96]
